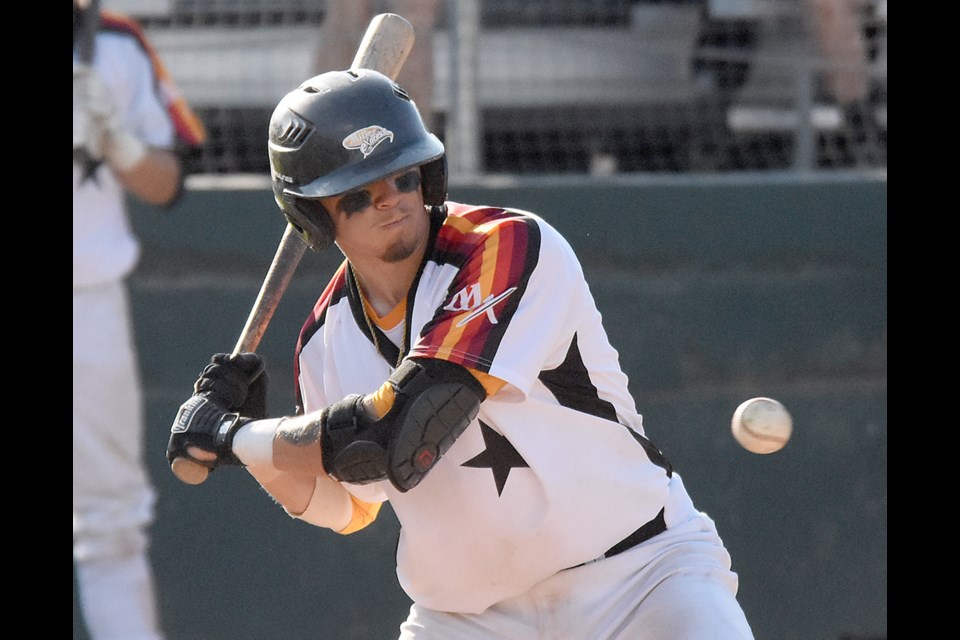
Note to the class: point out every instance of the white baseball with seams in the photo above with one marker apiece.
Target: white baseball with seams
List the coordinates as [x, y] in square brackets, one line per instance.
[762, 425]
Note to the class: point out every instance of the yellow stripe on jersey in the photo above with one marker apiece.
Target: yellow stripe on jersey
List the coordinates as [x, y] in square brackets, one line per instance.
[363, 514]
[461, 224]
[394, 317]
[488, 271]
[491, 383]
[384, 397]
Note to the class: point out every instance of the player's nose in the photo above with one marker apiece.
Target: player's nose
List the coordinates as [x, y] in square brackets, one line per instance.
[385, 194]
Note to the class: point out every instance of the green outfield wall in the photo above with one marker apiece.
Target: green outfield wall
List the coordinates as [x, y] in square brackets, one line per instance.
[713, 290]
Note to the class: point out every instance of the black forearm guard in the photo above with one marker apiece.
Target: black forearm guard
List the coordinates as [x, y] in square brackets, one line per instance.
[434, 403]
[352, 451]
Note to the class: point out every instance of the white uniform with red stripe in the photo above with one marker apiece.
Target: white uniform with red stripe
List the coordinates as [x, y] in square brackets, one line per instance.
[555, 470]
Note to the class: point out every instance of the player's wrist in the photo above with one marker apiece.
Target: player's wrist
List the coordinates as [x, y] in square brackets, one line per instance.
[253, 442]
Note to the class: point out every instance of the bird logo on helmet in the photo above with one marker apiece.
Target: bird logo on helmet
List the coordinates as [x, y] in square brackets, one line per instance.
[341, 130]
[367, 139]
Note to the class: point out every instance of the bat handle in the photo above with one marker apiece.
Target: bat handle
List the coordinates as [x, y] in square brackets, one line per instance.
[289, 252]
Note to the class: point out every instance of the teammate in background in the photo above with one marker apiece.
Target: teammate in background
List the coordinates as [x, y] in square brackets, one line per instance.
[346, 21]
[126, 123]
[456, 365]
[842, 44]
[839, 32]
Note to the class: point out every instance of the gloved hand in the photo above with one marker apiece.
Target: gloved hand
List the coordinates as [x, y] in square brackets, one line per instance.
[87, 126]
[237, 383]
[230, 392]
[97, 129]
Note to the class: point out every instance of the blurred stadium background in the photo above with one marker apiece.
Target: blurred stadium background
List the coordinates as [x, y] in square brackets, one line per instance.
[729, 206]
[565, 86]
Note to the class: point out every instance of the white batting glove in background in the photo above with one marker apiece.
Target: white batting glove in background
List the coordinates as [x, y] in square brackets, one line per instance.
[96, 124]
[87, 127]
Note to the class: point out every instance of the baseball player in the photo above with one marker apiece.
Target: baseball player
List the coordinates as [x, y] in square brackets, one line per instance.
[456, 365]
[127, 122]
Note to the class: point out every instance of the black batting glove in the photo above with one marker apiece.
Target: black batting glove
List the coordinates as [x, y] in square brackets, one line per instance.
[236, 383]
[204, 424]
[230, 392]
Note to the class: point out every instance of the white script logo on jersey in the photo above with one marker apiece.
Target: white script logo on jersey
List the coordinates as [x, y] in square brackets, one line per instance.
[468, 299]
[367, 139]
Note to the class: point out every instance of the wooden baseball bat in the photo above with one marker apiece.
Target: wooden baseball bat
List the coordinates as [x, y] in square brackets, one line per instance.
[384, 48]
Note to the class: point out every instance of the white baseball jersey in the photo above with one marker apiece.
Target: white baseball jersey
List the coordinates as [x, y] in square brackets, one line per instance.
[555, 470]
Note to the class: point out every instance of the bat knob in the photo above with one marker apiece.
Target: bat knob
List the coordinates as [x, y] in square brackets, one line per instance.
[188, 471]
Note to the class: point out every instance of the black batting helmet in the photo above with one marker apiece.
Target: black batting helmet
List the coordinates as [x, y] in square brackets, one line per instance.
[341, 130]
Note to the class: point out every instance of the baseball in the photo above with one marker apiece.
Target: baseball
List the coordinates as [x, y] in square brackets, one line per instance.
[762, 425]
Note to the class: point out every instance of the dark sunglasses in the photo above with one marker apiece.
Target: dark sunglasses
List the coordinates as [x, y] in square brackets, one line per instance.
[357, 201]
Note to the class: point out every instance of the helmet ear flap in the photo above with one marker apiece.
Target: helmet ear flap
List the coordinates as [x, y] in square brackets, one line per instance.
[309, 217]
[433, 175]
[321, 233]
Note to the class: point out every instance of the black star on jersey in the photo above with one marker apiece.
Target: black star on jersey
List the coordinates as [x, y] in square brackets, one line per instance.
[89, 165]
[500, 456]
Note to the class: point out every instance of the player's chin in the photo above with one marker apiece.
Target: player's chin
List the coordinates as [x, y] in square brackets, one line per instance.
[399, 250]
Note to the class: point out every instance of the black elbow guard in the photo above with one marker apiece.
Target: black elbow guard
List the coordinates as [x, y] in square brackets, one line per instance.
[434, 403]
